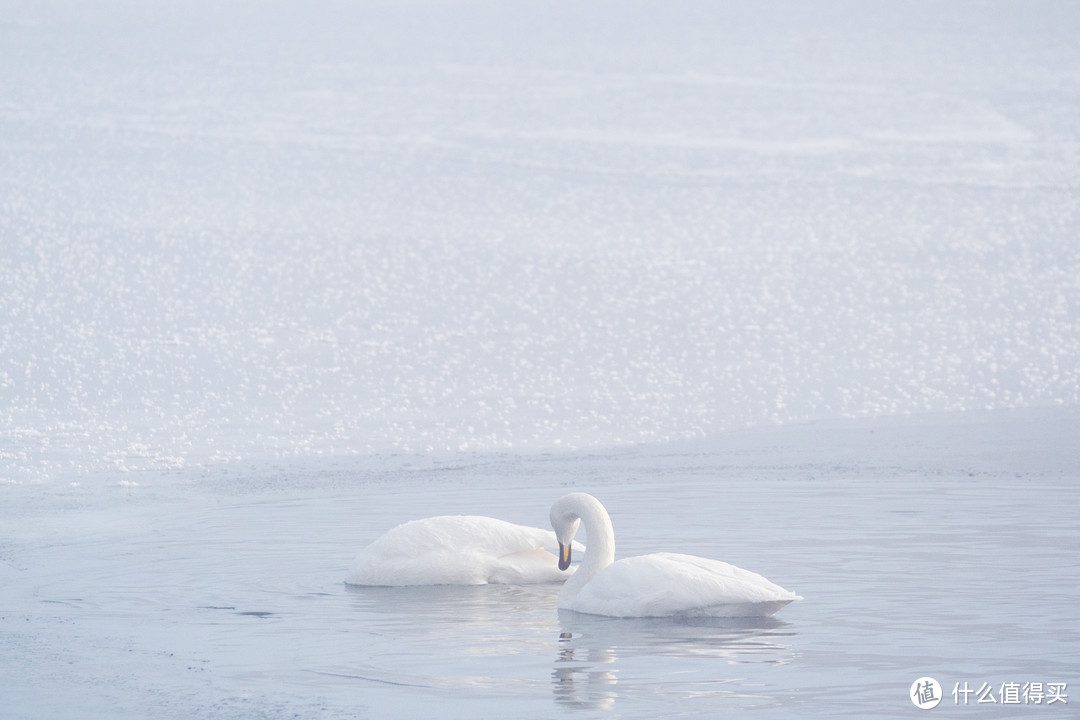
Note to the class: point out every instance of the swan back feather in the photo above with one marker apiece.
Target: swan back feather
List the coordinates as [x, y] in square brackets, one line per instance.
[457, 550]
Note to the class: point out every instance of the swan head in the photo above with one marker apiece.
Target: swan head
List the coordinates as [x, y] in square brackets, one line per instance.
[565, 520]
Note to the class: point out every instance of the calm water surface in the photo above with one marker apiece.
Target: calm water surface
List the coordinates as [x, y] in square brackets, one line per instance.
[202, 601]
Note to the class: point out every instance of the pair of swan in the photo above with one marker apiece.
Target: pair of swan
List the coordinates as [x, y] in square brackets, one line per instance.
[472, 550]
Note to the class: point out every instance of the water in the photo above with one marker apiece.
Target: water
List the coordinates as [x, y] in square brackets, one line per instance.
[207, 598]
[790, 285]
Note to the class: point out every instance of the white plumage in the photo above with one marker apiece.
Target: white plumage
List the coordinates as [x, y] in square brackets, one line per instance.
[657, 585]
[458, 550]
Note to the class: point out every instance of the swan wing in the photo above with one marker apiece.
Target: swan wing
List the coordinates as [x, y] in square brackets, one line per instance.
[527, 568]
[457, 550]
[465, 533]
[663, 584]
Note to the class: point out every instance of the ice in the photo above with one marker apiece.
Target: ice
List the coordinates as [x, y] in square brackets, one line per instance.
[381, 235]
[275, 279]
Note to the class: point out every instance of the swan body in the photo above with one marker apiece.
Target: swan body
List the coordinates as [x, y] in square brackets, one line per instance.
[657, 585]
[458, 550]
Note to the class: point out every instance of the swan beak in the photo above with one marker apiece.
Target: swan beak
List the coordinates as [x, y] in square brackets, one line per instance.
[564, 556]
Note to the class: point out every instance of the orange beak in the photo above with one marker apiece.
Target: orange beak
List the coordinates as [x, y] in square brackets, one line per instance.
[564, 556]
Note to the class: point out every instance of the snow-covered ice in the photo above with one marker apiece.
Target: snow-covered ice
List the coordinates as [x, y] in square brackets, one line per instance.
[802, 278]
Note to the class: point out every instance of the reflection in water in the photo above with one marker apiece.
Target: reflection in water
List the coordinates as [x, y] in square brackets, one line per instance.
[510, 641]
[592, 650]
[495, 607]
[578, 680]
[444, 636]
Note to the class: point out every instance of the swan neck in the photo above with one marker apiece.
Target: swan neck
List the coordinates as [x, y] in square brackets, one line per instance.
[599, 547]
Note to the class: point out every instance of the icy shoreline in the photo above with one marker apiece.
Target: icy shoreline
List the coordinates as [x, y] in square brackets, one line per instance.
[383, 236]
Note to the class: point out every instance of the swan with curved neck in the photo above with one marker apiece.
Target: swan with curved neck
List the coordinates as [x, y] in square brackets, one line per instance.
[458, 550]
[656, 585]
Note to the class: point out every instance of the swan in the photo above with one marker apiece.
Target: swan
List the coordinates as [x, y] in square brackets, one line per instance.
[458, 550]
[657, 585]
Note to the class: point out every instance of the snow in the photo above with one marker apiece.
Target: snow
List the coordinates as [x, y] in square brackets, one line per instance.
[266, 272]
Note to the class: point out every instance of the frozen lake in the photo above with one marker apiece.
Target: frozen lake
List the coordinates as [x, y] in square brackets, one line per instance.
[792, 285]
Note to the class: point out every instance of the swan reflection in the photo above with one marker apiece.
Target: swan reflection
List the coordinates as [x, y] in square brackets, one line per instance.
[502, 607]
[595, 652]
[581, 678]
[508, 639]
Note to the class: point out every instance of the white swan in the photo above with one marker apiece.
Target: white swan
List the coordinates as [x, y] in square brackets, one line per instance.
[656, 585]
[458, 550]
